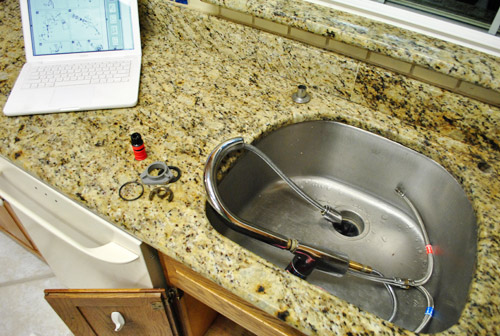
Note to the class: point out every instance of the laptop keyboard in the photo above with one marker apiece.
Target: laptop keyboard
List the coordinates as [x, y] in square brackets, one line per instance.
[50, 75]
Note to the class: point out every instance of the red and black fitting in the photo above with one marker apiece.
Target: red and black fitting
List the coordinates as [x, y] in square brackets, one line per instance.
[138, 147]
[302, 265]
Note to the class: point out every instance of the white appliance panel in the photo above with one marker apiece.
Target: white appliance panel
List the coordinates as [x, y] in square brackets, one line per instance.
[82, 249]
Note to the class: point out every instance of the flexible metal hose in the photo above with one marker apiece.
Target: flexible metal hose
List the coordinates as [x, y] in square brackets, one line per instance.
[428, 312]
[380, 279]
[393, 297]
[285, 178]
[430, 263]
[326, 211]
[430, 256]
[430, 259]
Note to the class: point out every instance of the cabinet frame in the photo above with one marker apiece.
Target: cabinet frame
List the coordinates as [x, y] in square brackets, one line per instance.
[223, 301]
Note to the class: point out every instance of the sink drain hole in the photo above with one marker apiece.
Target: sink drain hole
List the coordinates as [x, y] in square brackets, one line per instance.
[351, 226]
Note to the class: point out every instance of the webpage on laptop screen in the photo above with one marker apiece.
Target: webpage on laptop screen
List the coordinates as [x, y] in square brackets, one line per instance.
[74, 26]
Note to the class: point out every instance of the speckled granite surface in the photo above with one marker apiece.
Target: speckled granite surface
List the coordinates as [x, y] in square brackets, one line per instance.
[444, 57]
[422, 104]
[205, 80]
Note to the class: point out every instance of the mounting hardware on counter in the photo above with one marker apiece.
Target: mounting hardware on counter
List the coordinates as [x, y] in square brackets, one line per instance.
[163, 174]
[301, 96]
[133, 198]
[138, 147]
[162, 192]
[156, 173]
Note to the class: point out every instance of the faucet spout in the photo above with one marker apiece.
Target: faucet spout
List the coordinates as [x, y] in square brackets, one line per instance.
[211, 166]
[215, 200]
[330, 261]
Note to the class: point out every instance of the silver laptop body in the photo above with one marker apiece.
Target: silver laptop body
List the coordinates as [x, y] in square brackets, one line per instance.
[80, 55]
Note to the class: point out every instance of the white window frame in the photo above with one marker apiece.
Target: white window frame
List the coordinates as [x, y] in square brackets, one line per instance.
[421, 23]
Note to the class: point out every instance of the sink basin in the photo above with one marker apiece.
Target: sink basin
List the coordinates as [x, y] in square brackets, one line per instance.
[356, 173]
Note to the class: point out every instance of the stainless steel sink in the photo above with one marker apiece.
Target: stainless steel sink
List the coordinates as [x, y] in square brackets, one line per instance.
[356, 172]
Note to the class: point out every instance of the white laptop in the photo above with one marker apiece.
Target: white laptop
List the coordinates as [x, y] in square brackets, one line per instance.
[80, 55]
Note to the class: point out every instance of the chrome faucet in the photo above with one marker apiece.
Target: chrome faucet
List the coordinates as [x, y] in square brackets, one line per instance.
[307, 257]
[328, 261]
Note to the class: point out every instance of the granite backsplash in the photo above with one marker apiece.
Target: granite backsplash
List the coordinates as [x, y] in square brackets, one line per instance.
[413, 101]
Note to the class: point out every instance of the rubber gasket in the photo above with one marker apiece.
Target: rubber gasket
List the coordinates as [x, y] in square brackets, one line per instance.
[126, 184]
[176, 178]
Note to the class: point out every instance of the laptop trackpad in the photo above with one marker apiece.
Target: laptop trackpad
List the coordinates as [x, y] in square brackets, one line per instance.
[77, 97]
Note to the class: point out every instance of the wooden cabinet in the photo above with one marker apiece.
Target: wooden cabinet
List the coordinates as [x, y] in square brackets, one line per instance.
[202, 298]
[12, 226]
[88, 312]
[195, 306]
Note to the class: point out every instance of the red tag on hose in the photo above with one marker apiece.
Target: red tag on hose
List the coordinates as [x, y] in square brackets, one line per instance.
[428, 249]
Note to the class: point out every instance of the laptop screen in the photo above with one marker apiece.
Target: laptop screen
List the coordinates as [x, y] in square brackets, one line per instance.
[74, 26]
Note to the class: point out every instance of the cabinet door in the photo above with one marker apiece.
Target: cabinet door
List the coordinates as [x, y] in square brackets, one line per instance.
[10, 224]
[88, 312]
[221, 300]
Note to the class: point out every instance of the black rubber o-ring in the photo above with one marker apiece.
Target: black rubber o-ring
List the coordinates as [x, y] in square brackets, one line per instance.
[176, 178]
[126, 184]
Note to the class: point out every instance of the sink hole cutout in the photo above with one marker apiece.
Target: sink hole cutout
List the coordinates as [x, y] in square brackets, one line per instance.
[352, 224]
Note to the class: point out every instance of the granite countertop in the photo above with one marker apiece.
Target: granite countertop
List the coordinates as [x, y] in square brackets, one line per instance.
[416, 48]
[205, 80]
